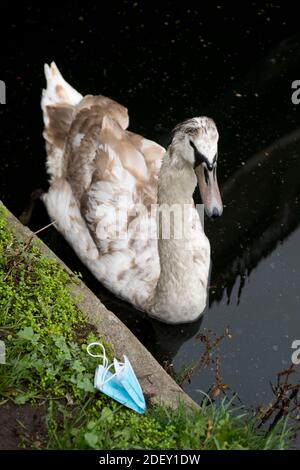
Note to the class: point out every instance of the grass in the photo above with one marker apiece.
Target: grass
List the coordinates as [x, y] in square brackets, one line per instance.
[107, 426]
[46, 337]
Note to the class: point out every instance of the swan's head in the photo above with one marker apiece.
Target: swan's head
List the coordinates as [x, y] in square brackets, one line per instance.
[197, 139]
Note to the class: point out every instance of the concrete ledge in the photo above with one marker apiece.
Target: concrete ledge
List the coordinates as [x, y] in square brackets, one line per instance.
[157, 385]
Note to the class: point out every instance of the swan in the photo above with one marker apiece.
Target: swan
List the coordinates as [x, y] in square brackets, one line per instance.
[100, 172]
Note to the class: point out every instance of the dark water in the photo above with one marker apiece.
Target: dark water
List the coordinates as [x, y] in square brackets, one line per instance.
[234, 63]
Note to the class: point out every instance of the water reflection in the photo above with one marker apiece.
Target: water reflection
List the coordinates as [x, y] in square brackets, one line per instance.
[262, 209]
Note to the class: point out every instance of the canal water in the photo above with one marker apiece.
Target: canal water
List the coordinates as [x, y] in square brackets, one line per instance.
[235, 64]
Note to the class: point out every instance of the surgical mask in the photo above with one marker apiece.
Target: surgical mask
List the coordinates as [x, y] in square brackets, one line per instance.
[122, 385]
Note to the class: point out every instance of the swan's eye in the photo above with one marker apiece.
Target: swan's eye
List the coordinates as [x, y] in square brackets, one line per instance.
[206, 176]
[199, 158]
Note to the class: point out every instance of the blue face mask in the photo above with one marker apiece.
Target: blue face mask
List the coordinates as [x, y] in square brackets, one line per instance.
[122, 384]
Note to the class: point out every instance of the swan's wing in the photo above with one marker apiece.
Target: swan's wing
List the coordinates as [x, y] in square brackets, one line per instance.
[152, 152]
[113, 176]
[99, 149]
[98, 171]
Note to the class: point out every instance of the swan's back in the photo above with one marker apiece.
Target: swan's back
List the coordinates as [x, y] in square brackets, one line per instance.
[103, 185]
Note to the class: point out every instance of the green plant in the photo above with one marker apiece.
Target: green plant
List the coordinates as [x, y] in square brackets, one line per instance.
[46, 336]
[105, 425]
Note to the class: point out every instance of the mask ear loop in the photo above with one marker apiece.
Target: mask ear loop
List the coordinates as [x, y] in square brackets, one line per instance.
[105, 361]
[103, 355]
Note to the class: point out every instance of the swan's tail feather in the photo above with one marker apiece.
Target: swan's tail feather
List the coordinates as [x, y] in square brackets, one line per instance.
[58, 90]
[58, 102]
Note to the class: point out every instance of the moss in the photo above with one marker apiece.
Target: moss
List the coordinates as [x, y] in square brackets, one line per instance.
[39, 321]
[46, 336]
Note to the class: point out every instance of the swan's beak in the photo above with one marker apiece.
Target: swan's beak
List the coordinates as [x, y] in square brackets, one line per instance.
[209, 190]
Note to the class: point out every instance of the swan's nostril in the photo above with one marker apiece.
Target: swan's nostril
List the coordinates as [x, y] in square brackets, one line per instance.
[215, 213]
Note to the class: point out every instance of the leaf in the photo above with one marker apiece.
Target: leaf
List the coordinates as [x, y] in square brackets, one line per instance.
[61, 344]
[23, 398]
[28, 335]
[107, 415]
[91, 425]
[84, 382]
[77, 366]
[124, 433]
[91, 439]
[38, 365]
[69, 399]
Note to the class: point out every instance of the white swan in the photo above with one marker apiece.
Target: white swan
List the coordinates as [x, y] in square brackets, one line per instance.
[98, 169]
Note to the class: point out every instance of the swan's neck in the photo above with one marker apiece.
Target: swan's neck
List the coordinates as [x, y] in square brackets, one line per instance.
[177, 180]
[177, 297]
